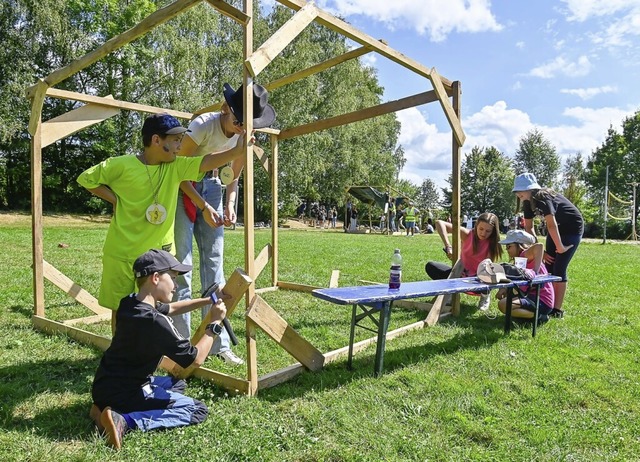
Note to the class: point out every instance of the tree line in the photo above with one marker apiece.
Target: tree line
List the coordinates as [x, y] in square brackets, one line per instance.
[183, 64]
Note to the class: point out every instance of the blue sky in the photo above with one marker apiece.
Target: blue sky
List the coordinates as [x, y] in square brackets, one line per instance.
[570, 68]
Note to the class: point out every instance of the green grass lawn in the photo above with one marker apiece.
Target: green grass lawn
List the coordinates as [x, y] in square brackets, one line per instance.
[461, 390]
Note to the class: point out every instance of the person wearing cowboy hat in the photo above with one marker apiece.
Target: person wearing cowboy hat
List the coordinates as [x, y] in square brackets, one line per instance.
[565, 226]
[200, 211]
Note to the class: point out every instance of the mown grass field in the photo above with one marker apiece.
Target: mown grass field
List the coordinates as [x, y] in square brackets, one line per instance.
[461, 390]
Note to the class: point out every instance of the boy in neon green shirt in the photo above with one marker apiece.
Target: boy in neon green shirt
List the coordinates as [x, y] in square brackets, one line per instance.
[144, 191]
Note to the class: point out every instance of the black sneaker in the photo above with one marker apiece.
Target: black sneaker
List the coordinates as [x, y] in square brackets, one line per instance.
[556, 313]
[114, 427]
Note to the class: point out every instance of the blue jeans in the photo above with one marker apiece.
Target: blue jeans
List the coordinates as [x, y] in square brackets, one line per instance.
[163, 405]
[210, 243]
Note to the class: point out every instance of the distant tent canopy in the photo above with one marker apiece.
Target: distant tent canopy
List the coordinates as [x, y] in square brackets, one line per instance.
[369, 195]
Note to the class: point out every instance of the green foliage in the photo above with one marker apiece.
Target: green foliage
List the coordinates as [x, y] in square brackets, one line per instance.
[182, 64]
[537, 155]
[428, 196]
[486, 180]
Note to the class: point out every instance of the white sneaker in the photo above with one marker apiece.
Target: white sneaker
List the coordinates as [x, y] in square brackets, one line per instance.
[485, 301]
[230, 357]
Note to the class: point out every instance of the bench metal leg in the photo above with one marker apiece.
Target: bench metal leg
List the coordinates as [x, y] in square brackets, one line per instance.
[535, 318]
[507, 314]
[383, 324]
[352, 334]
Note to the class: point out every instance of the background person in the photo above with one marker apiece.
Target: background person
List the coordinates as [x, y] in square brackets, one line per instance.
[478, 243]
[564, 224]
[519, 243]
[201, 214]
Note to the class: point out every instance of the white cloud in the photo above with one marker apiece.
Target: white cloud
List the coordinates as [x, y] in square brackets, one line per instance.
[581, 10]
[588, 93]
[428, 150]
[560, 66]
[433, 17]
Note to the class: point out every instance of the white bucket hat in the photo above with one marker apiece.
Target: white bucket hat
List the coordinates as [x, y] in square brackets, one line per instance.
[525, 182]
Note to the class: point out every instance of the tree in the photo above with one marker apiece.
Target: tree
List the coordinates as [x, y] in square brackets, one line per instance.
[486, 179]
[537, 155]
[573, 184]
[428, 195]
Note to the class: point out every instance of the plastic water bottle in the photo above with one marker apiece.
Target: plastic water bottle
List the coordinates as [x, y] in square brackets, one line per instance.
[395, 275]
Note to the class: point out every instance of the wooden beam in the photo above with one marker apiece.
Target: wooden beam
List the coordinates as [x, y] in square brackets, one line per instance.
[154, 19]
[263, 290]
[295, 286]
[110, 102]
[280, 376]
[263, 258]
[229, 11]
[82, 336]
[235, 289]
[335, 276]
[263, 158]
[275, 219]
[75, 120]
[231, 384]
[37, 246]
[279, 330]
[356, 35]
[362, 114]
[454, 122]
[263, 56]
[89, 319]
[36, 94]
[73, 290]
[329, 63]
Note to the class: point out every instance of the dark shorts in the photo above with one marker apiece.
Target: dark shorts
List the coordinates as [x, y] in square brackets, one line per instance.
[530, 305]
[561, 260]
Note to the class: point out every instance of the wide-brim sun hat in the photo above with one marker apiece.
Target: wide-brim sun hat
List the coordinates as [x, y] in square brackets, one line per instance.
[525, 182]
[518, 236]
[263, 113]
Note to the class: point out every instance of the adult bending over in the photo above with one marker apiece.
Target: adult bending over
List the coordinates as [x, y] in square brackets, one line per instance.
[564, 223]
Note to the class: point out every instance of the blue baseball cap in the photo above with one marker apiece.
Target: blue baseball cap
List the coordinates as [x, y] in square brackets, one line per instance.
[162, 124]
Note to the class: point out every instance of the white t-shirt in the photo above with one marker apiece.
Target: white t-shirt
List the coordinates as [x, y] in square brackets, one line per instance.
[206, 132]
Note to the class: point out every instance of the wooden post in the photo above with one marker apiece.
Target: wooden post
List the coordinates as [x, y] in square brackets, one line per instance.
[274, 212]
[456, 149]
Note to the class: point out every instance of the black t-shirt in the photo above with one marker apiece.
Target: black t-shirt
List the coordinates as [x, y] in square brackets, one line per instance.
[143, 335]
[567, 215]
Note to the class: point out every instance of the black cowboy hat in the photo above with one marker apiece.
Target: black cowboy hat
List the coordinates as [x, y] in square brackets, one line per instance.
[263, 113]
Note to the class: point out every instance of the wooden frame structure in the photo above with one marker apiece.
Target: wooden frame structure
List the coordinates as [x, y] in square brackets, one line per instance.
[259, 314]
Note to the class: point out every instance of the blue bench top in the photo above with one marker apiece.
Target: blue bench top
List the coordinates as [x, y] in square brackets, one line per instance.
[381, 292]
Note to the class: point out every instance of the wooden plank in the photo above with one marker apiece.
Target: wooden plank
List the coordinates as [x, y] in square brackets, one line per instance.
[82, 336]
[263, 56]
[37, 246]
[294, 286]
[230, 383]
[279, 330]
[456, 166]
[263, 258]
[154, 19]
[329, 63]
[264, 161]
[335, 276]
[110, 102]
[356, 35]
[88, 319]
[36, 94]
[275, 219]
[73, 290]
[280, 376]
[229, 11]
[362, 114]
[235, 288]
[451, 115]
[252, 357]
[74, 121]
[263, 290]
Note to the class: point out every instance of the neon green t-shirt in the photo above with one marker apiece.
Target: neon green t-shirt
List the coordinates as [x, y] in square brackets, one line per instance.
[130, 234]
